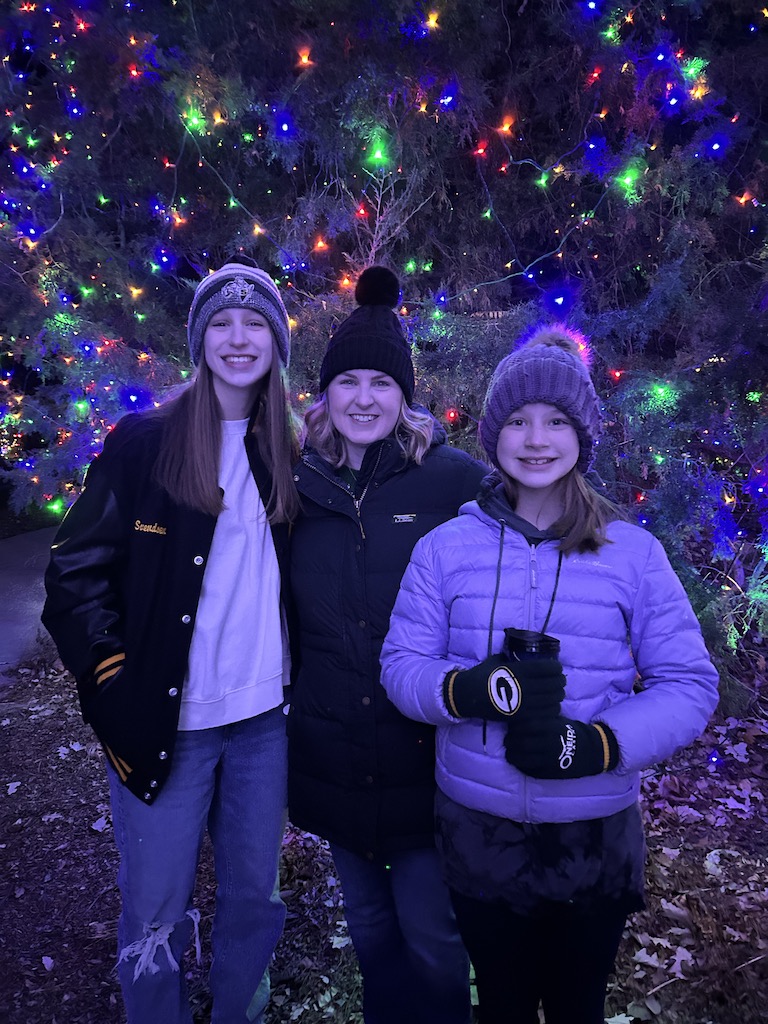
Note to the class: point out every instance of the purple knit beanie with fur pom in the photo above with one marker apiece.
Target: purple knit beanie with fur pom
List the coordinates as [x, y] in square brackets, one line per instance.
[549, 368]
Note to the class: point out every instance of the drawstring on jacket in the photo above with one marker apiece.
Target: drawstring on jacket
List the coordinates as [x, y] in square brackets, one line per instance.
[502, 533]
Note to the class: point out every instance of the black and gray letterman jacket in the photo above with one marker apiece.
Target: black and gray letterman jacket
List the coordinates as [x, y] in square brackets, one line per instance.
[123, 585]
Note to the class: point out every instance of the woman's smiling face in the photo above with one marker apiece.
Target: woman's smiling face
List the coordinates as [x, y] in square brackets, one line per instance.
[364, 406]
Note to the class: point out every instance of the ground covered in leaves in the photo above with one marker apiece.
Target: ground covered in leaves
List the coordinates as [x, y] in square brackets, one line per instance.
[697, 955]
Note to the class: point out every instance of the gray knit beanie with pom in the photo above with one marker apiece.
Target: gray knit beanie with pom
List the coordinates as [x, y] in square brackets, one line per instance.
[547, 367]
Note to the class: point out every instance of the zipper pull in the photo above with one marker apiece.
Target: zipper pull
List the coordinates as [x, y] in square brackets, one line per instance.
[534, 567]
[357, 503]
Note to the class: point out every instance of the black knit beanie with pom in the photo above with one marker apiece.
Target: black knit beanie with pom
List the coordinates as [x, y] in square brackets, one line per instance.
[371, 338]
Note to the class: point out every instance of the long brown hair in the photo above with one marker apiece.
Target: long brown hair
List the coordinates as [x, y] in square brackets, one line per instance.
[188, 463]
[586, 514]
[413, 432]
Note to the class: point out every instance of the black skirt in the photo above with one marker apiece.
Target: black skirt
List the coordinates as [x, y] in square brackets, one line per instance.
[530, 866]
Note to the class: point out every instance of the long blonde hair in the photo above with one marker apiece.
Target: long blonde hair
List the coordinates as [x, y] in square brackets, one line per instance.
[413, 432]
[586, 514]
[188, 463]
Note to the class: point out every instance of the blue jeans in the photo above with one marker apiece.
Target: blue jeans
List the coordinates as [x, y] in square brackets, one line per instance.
[403, 928]
[232, 780]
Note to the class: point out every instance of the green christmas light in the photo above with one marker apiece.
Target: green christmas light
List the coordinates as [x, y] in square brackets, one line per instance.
[377, 150]
[86, 292]
[82, 408]
[248, 137]
[410, 267]
[103, 200]
[542, 181]
[154, 267]
[753, 396]
[56, 506]
[427, 267]
[63, 323]
[662, 398]
[628, 182]
[611, 34]
[693, 67]
[195, 120]
[488, 214]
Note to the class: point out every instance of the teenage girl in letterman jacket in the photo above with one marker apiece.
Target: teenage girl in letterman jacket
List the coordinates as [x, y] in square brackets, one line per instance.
[539, 827]
[164, 600]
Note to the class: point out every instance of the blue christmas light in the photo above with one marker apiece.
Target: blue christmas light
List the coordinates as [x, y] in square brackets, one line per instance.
[449, 96]
[135, 398]
[560, 298]
[283, 124]
[165, 259]
[33, 231]
[413, 28]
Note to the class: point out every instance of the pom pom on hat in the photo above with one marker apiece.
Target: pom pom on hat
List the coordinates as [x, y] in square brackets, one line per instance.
[236, 286]
[377, 286]
[371, 338]
[550, 368]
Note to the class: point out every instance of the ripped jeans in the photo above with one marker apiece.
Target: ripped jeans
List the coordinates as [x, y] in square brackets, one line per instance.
[232, 780]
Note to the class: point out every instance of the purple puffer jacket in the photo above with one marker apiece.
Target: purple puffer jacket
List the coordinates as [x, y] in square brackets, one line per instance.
[622, 617]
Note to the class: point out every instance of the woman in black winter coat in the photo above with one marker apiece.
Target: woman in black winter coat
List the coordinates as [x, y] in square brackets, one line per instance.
[374, 478]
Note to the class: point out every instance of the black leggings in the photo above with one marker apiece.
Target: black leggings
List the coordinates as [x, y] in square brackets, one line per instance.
[560, 958]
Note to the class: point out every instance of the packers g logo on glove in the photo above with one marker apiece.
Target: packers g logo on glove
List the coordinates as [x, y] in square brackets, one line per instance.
[504, 690]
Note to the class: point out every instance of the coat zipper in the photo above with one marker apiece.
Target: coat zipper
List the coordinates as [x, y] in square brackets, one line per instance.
[357, 502]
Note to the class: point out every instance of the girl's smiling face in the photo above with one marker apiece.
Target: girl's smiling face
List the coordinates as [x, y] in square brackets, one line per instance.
[238, 347]
[538, 446]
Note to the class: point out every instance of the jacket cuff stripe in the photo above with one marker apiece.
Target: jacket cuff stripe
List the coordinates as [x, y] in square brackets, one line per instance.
[107, 675]
[117, 765]
[108, 667]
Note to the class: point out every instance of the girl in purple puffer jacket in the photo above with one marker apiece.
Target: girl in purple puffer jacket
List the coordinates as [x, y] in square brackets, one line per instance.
[539, 751]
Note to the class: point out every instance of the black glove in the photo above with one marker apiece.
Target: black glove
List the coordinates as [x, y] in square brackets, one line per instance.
[494, 689]
[561, 748]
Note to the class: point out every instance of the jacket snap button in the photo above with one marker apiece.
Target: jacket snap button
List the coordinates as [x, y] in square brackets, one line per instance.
[153, 784]
[199, 559]
[147, 796]
[173, 692]
[361, 623]
[163, 755]
[295, 478]
[186, 619]
[366, 701]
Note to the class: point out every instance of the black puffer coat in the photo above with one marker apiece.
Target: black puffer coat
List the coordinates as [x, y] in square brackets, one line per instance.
[360, 773]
